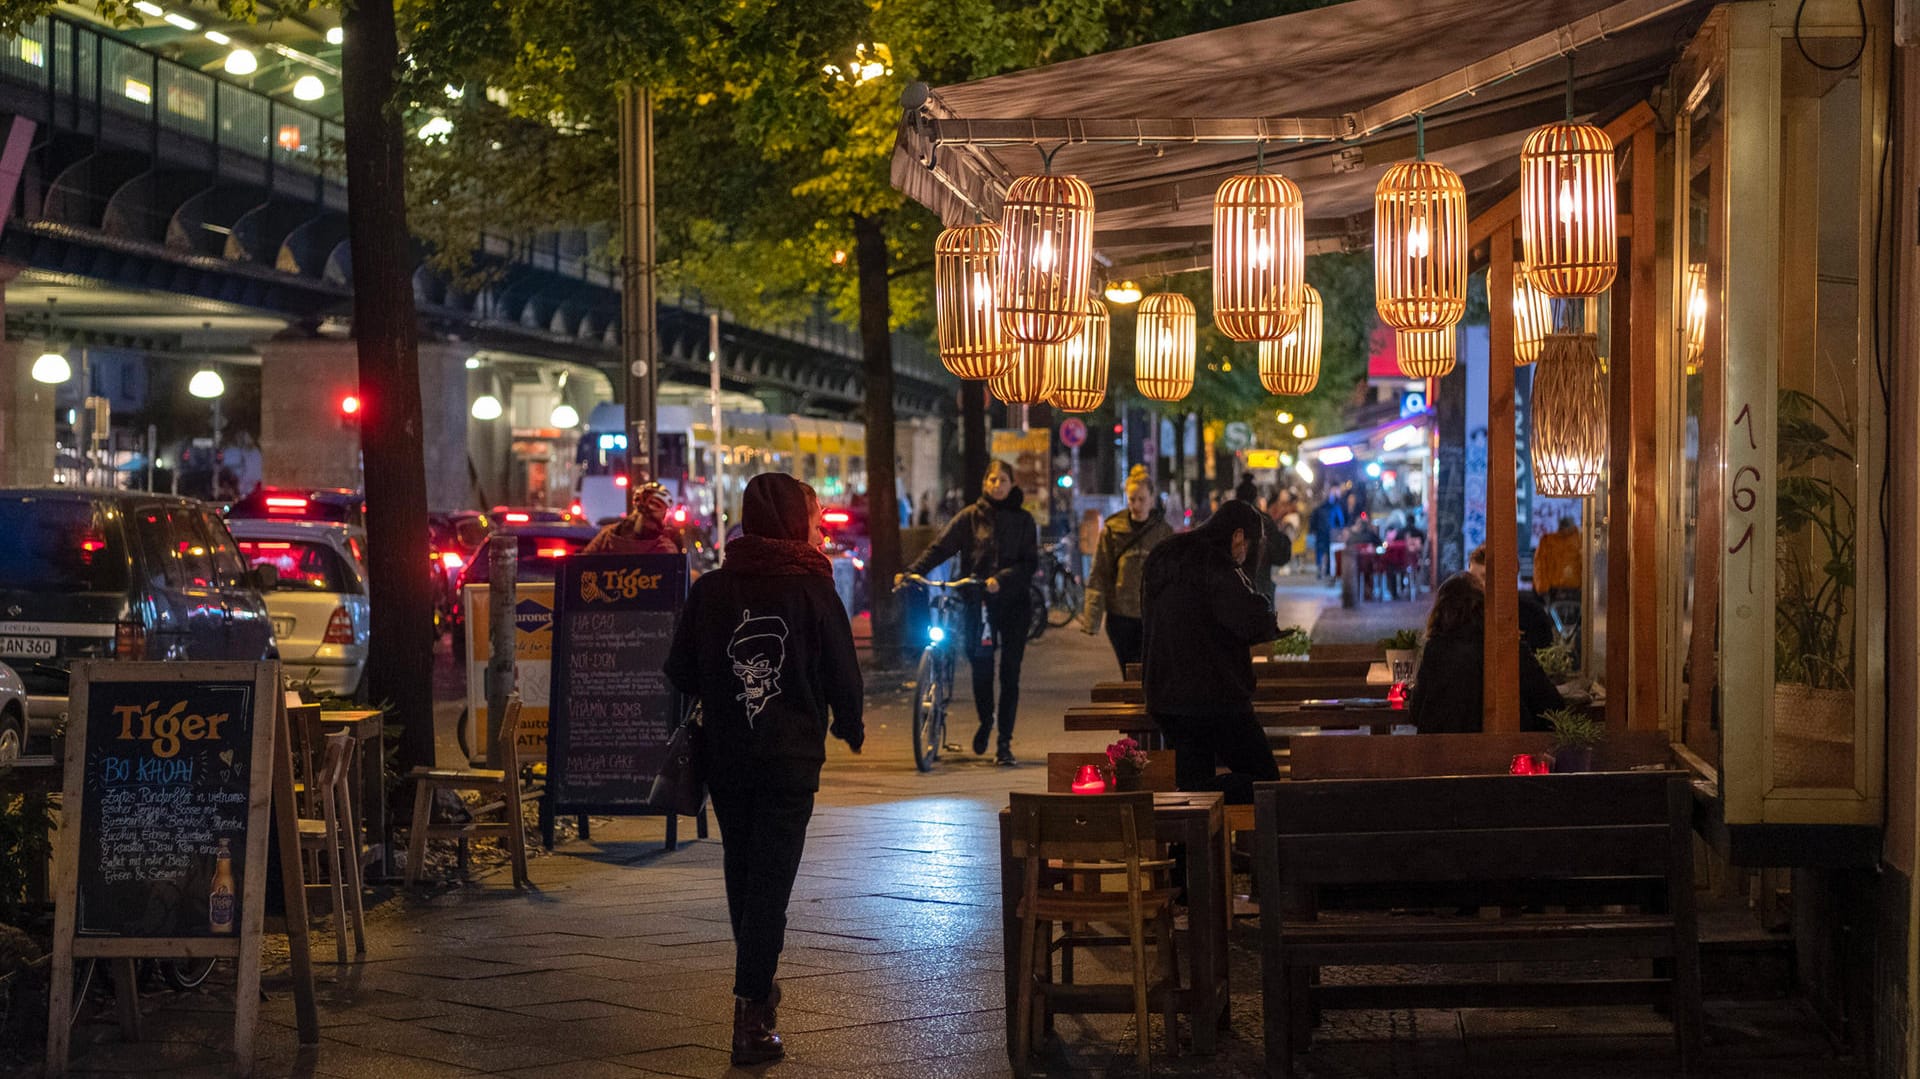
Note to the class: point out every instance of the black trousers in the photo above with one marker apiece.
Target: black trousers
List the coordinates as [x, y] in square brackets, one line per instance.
[1126, 635]
[1200, 743]
[763, 831]
[1011, 622]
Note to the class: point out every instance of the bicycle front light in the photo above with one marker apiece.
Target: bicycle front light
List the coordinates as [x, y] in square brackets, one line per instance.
[936, 634]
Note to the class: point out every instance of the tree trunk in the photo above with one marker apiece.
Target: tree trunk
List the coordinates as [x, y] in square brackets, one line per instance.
[973, 437]
[384, 328]
[883, 508]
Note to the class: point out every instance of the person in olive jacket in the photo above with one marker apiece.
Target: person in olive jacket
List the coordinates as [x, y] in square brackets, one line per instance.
[1203, 617]
[765, 646]
[1119, 565]
[996, 540]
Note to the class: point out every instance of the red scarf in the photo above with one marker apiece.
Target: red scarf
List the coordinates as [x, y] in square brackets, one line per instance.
[760, 556]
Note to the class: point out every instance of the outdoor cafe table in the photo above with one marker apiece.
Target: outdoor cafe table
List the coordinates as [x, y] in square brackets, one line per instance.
[369, 779]
[1197, 819]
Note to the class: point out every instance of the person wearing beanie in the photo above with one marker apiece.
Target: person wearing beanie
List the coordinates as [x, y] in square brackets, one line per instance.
[997, 541]
[765, 646]
[644, 531]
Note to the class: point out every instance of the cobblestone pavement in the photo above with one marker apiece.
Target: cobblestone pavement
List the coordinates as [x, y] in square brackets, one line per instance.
[618, 963]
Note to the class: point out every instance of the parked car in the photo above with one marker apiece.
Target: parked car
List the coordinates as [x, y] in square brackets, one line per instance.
[337, 504]
[319, 607]
[453, 539]
[94, 574]
[515, 516]
[13, 716]
[542, 546]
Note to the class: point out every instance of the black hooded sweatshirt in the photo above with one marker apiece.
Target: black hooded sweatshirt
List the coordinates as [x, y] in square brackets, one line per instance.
[993, 539]
[765, 644]
[1202, 620]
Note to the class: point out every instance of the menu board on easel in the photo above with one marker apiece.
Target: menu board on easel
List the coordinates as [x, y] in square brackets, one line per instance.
[170, 780]
[612, 709]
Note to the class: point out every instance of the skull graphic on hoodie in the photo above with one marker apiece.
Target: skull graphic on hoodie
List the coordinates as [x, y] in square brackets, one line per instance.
[757, 649]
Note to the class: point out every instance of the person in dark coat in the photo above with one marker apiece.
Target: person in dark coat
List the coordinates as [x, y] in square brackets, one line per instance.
[766, 648]
[1326, 519]
[1274, 548]
[1449, 688]
[997, 541]
[1202, 619]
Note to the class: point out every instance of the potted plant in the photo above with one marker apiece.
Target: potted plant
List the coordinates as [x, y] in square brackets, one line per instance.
[1403, 652]
[1813, 611]
[1575, 733]
[1128, 763]
[1556, 659]
[1294, 644]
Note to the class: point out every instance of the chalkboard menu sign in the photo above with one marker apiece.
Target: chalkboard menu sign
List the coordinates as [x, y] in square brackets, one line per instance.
[612, 708]
[165, 790]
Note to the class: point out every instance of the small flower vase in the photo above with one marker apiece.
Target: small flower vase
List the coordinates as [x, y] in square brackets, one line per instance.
[1126, 779]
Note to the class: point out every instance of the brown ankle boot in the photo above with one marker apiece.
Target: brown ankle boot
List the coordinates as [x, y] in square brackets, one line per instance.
[754, 1040]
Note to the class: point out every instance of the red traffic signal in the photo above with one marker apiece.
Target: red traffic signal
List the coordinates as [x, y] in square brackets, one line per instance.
[350, 405]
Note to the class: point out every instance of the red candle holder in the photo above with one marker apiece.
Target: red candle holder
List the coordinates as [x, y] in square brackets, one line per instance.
[1530, 764]
[1089, 781]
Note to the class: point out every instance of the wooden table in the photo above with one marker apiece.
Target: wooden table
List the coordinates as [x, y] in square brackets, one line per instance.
[1198, 820]
[369, 780]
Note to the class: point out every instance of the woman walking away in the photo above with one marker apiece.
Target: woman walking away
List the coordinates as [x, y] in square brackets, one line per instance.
[1449, 688]
[996, 541]
[1119, 566]
[1202, 619]
[766, 647]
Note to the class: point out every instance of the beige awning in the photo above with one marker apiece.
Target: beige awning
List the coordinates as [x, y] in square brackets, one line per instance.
[1326, 94]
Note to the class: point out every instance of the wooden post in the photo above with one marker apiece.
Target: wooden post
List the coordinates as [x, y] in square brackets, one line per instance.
[1643, 543]
[1502, 662]
[1621, 384]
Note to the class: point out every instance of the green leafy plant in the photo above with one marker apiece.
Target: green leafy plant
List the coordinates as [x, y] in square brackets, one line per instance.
[1403, 640]
[26, 840]
[1574, 728]
[1814, 520]
[1556, 659]
[1293, 641]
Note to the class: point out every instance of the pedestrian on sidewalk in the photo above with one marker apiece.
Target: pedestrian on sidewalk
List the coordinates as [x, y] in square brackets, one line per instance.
[765, 646]
[1119, 568]
[997, 542]
[1327, 518]
[644, 531]
[1202, 619]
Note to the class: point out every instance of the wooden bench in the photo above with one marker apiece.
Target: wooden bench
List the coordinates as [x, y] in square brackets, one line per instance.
[1382, 854]
[1355, 669]
[1414, 755]
[1265, 689]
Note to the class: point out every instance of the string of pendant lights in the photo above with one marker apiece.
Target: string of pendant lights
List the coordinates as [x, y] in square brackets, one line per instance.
[966, 309]
[1291, 365]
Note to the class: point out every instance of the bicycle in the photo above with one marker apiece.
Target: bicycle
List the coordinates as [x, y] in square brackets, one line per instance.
[933, 679]
[1065, 593]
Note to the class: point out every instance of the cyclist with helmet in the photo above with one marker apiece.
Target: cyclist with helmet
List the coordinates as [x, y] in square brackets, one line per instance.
[644, 531]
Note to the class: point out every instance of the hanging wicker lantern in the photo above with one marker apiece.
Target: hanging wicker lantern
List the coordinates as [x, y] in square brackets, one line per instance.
[1291, 365]
[1046, 258]
[1029, 379]
[1696, 320]
[1079, 375]
[1163, 345]
[1259, 256]
[1568, 207]
[1425, 353]
[1569, 417]
[1420, 246]
[965, 260]
[1532, 318]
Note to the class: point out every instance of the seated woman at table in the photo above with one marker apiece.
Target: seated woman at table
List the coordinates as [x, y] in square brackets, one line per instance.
[1202, 617]
[1449, 689]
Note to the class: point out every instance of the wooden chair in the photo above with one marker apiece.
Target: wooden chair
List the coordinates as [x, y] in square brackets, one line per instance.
[334, 838]
[500, 795]
[1060, 837]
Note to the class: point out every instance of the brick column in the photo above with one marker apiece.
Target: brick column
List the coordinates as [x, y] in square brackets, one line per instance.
[26, 406]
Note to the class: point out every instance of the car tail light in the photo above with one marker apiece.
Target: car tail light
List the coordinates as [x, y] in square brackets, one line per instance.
[286, 505]
[339, 628]
[452, 561]
[129, 640]
[621, 481]
[577, 510]
[680, 515]
[550, 552]
[836, 517]
[517, 518]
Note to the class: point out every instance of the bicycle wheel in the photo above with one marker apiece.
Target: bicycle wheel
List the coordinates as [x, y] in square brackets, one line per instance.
[929, 711]
[1066, 599]
[1037, 597]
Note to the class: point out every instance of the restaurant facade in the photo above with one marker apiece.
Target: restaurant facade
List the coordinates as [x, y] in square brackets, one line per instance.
[1753, 537]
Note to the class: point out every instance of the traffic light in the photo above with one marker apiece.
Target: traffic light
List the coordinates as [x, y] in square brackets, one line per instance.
[349, 410]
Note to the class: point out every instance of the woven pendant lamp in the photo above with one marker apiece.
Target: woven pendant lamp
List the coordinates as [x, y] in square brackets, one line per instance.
[1420, 246]
[965, 260]
[1568, 209]
[1259, 256]
[1425, 353]
[1079, 375]
[1569, 417]
[1163, 345]
[1696, 315]
[1046, 258]
[1029, 379]
[1291, 365]
[1532, 318]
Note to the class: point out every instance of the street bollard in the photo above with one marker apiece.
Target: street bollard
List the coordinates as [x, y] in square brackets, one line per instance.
[502, 597]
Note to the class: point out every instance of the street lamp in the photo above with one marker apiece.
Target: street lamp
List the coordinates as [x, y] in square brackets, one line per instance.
[309, 88]
[1125, 292]
[52, 368]
[487, 407]
[1299, 430]
[565, 417]
[242, 62]
[206, 384]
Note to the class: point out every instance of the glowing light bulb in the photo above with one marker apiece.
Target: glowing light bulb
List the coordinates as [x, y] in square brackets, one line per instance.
[1419, 239]
[982, 290]
[335, 35]
[1043, 253]
[309, 88]
[1166, 340]
[206, 384]
[52, 368]
[487, 407]
[242, 62]
[565, 417]
[1569, 207]
[1261, 253]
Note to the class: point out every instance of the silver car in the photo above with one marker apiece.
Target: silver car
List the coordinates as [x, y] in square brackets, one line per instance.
[13, 716]
[319, 606]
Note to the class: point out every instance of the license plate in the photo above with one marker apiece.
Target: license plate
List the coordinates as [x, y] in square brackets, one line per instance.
[29, 647]
[283, 627]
